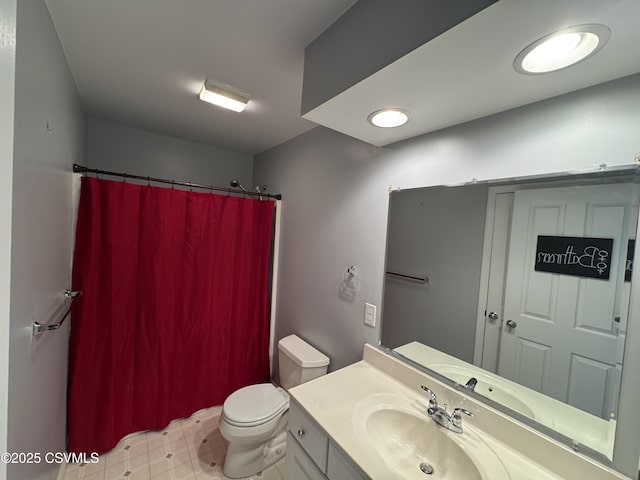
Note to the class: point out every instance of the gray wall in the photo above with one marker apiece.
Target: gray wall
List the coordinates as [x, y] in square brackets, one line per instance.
[336, 195]
[7, 94]
[41, 238]
[119, 148]
[436, 232]
[328, 224]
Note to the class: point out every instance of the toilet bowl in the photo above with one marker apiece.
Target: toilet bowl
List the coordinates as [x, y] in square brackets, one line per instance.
[254, 418]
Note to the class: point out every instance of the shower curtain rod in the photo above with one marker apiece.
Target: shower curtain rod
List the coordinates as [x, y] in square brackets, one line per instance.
[82, 169]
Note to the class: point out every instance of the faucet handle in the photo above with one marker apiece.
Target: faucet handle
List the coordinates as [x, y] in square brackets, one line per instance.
[456, 417]
[433, 401]
[458, 411]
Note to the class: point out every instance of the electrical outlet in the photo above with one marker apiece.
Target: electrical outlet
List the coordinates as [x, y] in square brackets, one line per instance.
[369, 314]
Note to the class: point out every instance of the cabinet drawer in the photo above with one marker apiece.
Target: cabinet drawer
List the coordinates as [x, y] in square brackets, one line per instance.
[340, 468]
[299, 465]
[309, 436]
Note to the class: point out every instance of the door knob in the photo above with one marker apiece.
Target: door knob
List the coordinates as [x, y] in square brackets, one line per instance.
[511, 324]
[493, 316]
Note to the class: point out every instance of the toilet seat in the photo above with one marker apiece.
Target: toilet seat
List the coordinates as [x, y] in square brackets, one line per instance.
[254, 405]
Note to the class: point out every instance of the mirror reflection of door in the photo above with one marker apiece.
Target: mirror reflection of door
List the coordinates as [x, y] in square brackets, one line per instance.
[557, 333]
[499, 255]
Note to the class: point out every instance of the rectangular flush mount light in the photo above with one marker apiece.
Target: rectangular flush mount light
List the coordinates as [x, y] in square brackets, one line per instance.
[224, 95]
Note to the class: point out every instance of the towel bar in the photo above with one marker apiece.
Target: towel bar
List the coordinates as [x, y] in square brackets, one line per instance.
[39, 328]
[412, 278]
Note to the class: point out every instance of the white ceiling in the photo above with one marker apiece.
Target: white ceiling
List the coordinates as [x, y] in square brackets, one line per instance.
[143, 62]
[467, 72]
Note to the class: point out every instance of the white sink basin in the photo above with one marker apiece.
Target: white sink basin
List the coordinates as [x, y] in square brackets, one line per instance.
[413, 446]
[410, 445]
[495, 390]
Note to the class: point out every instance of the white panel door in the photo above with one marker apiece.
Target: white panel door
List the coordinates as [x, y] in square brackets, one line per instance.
[565, 339]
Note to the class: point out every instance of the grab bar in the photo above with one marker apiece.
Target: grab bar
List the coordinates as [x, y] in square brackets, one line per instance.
[39, 328]
[412, 278]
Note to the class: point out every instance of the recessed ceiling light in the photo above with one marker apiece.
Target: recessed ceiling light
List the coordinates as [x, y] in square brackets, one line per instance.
[224, 95]
[563, 48]
[389, 117]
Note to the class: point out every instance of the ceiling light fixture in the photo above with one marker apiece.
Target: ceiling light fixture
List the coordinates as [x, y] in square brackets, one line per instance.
[224, 95]
[388, 117]
[561, 49]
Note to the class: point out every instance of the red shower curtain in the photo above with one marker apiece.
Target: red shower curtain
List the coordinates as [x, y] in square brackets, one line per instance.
[173, 314]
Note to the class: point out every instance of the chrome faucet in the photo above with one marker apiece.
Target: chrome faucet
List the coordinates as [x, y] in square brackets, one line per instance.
[471, 383]
[451, 421]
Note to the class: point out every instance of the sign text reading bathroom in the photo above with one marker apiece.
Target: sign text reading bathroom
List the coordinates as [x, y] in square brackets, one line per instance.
[578, 256]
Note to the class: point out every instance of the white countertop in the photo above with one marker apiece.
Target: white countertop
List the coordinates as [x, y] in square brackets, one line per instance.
[334, 400]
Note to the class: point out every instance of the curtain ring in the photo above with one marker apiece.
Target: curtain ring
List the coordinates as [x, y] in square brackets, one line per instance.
[173, 183]
[148, 182]
[124, 178]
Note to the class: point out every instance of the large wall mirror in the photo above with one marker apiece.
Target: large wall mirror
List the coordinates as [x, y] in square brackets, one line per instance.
[519, 293]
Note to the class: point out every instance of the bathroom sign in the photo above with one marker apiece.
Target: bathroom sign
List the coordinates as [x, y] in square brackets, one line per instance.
[577, 256]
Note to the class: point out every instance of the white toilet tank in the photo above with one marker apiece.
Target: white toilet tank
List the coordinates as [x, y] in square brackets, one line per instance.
[299, 362]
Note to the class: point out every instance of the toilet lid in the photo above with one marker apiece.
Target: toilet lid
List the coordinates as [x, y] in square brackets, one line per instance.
[254, 405]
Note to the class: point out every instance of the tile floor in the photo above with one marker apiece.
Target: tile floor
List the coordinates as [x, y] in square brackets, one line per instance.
[187, 449]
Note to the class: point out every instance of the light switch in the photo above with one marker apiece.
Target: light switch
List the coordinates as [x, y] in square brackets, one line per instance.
[369, 314]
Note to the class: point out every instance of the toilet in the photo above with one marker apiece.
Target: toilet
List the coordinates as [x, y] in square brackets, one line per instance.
[254, 418]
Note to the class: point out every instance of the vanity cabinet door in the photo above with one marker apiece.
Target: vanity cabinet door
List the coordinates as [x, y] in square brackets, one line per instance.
[299, 465]
[341, 468]
[309, 436]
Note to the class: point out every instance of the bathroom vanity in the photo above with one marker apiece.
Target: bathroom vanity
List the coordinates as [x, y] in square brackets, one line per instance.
[370, 420]
[312, 454]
